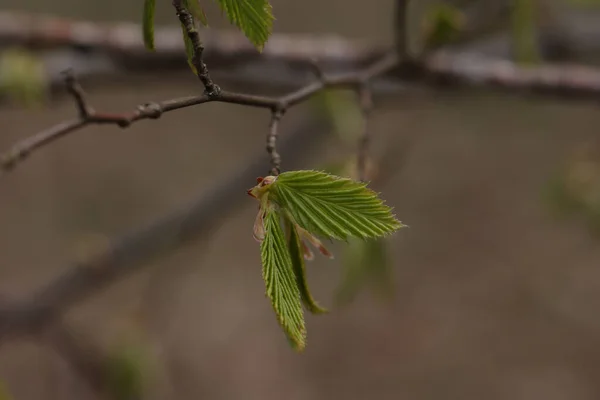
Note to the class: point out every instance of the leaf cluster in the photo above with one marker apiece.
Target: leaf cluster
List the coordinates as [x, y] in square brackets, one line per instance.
[310, 204]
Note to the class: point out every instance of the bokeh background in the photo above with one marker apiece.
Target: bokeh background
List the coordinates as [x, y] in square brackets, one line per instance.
[494, 297]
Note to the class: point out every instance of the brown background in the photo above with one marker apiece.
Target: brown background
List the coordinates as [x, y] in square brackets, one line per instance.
[494, 299]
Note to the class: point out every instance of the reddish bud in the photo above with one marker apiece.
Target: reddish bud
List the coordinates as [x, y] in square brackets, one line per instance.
[308, 254]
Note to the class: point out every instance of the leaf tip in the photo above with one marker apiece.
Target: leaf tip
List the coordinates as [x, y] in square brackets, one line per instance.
[317, 309]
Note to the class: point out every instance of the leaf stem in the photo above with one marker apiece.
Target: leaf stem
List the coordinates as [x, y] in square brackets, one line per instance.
[276, 116]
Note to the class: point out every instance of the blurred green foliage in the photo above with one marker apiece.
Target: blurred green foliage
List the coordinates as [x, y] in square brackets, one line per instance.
[574, 189]
[22, 77]
[442, 24]
[4, 395]
[524, 32]
[148, 23]
[342, 109]
[363, 261]
[129, 367]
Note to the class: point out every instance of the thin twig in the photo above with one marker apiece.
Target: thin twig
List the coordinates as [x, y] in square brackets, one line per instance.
[272, 142]
[186, 19]
[21, 150]
[75, 90]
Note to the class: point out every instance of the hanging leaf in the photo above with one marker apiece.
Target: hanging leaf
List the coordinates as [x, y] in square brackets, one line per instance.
[148, 23]
[332, 206]
[280, 280]
[189, 50]
[253, 17]
[298, 253]
[194, 7]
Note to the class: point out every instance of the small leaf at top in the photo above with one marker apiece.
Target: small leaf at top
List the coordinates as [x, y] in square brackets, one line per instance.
[253, 17]
[332, 206]
[298, 254]
[280, 280]
[148, 23]
[194, 7]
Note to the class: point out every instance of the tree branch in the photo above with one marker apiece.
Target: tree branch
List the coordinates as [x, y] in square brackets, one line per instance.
[21, 150]
[272, 141]
[119, 47]
[186, 19]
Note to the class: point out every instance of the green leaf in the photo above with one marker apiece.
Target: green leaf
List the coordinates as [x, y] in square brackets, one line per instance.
[253, 17]
[280, 280]
[194, 7]
[297, 256]
[332, 206]
[189, 50]
[560, 201]
[148, 23]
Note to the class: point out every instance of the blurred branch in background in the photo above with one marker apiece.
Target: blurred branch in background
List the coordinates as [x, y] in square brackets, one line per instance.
[98, 51]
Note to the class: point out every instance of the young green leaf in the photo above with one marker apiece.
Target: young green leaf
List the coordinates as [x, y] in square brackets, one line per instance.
[148, 23]
[194, 7]
[281, 286]
[253, 17]
[297, 255]
[332, 206]
[189, 50]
